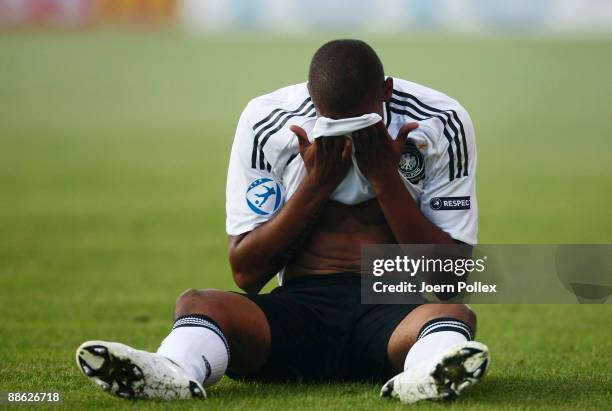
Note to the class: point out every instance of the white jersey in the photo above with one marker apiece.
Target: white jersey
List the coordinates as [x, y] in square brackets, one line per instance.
[438, 166]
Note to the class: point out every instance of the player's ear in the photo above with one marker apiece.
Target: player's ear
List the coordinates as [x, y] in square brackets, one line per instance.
[388, 89]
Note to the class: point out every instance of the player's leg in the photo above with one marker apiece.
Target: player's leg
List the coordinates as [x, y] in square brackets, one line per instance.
[217, 323]
[407, 332]
[433, 352]
[209, 324]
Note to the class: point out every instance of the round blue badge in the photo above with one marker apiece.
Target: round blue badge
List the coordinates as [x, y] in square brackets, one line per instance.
[264, 196]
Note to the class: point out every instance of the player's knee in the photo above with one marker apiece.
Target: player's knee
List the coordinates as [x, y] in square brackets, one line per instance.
[186, 295]
[464, 313]
[206, 302]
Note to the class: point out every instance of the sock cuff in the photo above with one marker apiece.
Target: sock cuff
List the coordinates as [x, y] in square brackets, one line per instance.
[199, 320]
[445, 324]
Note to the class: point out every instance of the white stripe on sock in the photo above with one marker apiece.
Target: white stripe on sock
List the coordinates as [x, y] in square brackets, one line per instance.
[458, 324]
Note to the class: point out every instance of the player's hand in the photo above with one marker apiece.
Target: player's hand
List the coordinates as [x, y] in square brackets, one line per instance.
[327, 159]
[377, 154]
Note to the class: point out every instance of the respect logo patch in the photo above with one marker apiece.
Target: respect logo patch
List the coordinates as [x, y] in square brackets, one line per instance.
[450, 203]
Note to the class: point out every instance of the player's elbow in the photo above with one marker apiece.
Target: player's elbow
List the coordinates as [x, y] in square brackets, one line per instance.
[245, 279]
[246, 282]
[247, 272]
[242, 277]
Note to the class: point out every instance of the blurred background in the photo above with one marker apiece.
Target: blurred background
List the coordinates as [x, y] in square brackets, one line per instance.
[117, 117]
[293, 16]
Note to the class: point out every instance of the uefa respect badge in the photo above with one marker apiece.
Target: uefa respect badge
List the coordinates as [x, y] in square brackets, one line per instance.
[264, 196]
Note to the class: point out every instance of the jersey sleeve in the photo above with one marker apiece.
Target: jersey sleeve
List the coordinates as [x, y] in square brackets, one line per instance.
[253, 196]
[449, 192]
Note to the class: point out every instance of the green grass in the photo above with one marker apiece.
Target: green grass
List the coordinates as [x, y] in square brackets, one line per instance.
[113, 152]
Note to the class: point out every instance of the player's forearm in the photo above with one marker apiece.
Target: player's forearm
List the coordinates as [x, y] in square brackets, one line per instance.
[407, 222]
[257, 256]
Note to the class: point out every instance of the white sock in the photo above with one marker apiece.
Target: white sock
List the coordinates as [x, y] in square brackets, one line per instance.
[198, 346]
[437, 336]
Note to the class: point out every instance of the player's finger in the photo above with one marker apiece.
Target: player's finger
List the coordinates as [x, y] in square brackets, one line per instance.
[402, 134]
[325, 145]
[331, 147]
[406, 129]
[301, 136]
[368, 138]
[356, 137]
[375, 133]
[381, 129]
[339, 146]
[347, 149]
[319, 145]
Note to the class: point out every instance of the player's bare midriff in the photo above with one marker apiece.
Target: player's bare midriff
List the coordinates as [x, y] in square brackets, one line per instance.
[334, 244]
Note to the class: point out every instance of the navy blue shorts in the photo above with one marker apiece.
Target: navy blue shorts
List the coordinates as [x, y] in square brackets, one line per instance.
[321, 331]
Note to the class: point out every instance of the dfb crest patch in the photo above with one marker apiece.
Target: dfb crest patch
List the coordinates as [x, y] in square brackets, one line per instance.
[412, 163]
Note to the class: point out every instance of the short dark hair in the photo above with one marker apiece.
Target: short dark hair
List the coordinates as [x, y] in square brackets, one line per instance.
[342, 73]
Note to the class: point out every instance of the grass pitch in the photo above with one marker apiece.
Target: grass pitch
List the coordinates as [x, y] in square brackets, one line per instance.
[113, 152]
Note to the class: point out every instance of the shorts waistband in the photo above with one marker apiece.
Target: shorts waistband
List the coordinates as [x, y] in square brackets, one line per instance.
[346, 277]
